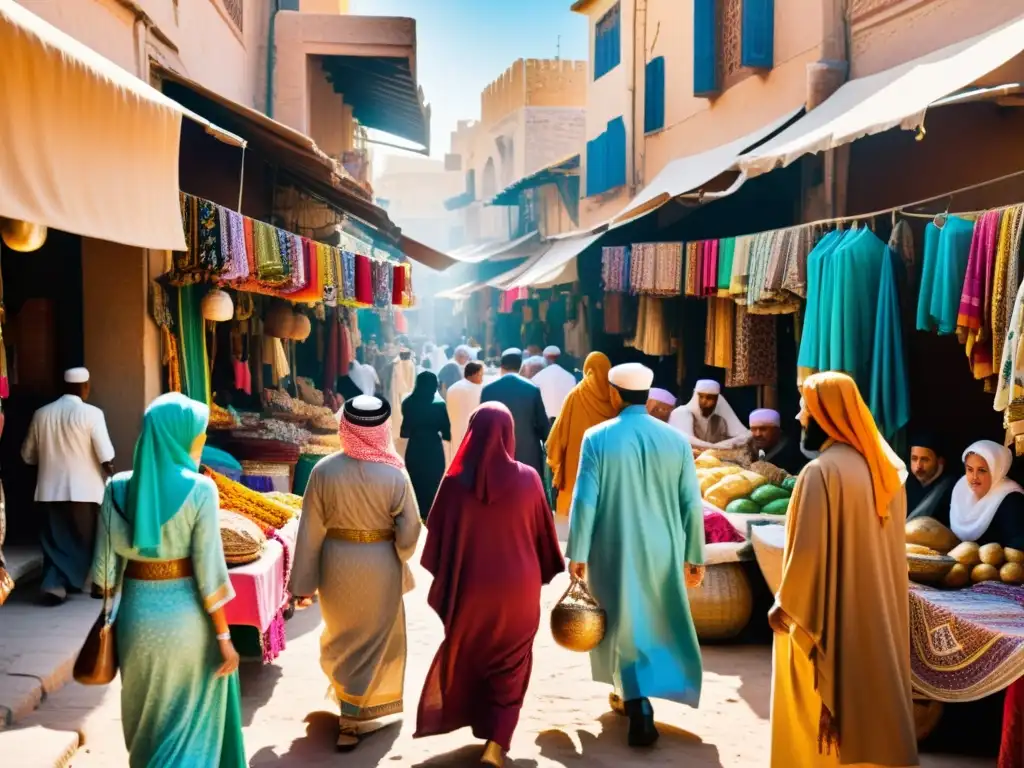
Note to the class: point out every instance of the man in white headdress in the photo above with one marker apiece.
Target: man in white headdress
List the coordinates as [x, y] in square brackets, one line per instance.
[365, 377]
[555, 382]
[435, 354]
[532, 366]
[639, 566]
[708, 420]
[769, 443]
[68, 441]
[451, 372]
[661, 403]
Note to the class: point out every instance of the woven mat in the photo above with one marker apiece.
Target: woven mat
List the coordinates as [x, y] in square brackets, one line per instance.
[966, 644]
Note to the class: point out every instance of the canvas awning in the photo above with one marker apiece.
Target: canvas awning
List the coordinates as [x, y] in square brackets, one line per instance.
[549, 174]
[686, 174]
[501, 251]
[85, 146]
[557, 265]
[896, 97]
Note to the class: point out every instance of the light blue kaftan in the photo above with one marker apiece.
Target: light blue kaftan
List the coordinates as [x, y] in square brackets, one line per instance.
[174, 712]
[815, 326]
[637, 518]
[946, 252]
[890, 384]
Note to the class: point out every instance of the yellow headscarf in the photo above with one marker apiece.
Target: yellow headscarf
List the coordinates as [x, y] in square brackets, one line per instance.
[588, 404]
[836, 404]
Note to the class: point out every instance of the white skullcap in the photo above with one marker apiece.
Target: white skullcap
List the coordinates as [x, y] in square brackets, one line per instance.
[765, 417]
[663, 396]
[707, 387]
[552, 351]
[512, 351]
[366, 403]
[633, 377]
[464, 349]
[76, 375]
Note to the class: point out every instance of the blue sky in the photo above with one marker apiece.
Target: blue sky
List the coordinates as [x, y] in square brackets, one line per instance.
[462, 45]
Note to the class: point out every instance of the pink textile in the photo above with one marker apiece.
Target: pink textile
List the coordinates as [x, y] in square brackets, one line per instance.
[261, 588]
[718, 529]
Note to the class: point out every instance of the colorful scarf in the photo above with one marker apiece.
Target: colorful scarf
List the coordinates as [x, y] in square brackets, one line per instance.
[973, 319]
[373, 444]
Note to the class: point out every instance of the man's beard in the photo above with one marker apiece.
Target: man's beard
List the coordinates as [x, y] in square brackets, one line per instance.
[812, 438]
[707, 413]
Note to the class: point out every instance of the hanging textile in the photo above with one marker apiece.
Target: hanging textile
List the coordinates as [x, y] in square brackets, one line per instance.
[348, 277]
[380, 272]
[613, 306]
[577, 330]
[1010, 385]
[709, 269]
[615, 266]
[270, 269]
[398, 286]
[946, 252]
[740, 266]
[693, 268]
[364, 280]
[718, 339]
[974, 316]
[195, 368]
[1013, 272]
[726, 250]
[311, 258]
[856, 267]
[754, 358]
[652, 328]
[890, 382]
[1005, 288]
[232, 245]
[817, 323]
[656, 269]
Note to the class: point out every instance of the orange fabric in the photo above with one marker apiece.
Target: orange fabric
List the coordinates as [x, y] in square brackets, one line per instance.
[836, 404]
[588, 404]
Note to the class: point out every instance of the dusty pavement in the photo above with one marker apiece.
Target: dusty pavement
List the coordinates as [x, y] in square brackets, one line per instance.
[565, 721]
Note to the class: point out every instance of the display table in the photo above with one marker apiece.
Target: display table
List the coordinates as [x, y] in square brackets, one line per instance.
[261, 593]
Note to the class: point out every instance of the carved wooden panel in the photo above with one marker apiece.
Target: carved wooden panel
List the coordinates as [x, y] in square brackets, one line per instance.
[730, 41]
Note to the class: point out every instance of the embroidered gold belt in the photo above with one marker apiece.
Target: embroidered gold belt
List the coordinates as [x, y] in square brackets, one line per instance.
[357, 536]
[158, 570]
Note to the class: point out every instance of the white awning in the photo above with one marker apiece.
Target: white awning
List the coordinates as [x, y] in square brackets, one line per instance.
[501, 251]
[85, 146]
[460, 292]
[557, 265]
[686, 174]
[896, 97]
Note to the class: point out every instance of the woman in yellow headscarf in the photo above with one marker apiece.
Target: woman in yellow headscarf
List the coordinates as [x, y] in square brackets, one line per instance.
[589, 404]
[841, 676]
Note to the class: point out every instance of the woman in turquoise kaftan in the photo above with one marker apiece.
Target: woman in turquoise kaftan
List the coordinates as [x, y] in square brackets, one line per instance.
[178, 707]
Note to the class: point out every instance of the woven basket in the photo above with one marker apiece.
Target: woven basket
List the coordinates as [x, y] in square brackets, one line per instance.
[578, 623]
[242, 539]
[773, 474]
[721, 607]
[929, 569]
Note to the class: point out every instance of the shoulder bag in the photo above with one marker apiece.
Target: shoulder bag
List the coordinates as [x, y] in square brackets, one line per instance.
[97, 661]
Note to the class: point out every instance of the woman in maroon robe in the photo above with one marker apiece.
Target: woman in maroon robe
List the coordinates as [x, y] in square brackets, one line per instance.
[491, 545]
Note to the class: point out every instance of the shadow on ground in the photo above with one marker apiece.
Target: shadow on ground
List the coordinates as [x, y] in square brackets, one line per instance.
[319, 744]
[467, 756]
[609, 747]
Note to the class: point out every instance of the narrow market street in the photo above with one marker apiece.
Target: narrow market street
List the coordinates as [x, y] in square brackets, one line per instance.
[288, 721]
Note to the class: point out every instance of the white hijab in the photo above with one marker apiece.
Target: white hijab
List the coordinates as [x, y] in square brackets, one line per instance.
[969, 516]
[723, 409]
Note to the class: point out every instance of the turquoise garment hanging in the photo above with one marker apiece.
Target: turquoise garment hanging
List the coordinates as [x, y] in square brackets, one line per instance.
[163, 471]
[856, 273]
[726, 251]
[195, 370]
[810, 340]
[946, 252]
[890, 387]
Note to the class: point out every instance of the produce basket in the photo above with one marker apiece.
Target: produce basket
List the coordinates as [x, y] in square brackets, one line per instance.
[721, 607]
[929, 569]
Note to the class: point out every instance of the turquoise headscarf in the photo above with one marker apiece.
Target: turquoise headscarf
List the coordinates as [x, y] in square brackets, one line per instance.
[163, 472]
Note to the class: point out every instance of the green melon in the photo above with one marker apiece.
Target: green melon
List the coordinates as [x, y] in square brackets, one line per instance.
[766, 494]
[789, 483]
[743, 507]
[777, 507]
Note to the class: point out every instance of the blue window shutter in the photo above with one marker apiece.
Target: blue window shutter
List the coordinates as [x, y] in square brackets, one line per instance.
[607, 42]
[705, 48]
[594, 163]
[616, 154]
[654, 95]
[757, 48]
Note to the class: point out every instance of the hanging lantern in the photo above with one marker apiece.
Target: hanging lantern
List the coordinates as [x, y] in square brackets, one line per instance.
[217, 306]
[301, 327]
[22, 236]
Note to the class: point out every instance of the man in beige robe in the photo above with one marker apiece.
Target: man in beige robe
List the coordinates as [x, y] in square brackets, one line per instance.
[841, 678]
[358, 529]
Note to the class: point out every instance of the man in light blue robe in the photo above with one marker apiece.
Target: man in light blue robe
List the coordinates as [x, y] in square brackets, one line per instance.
[637, 536]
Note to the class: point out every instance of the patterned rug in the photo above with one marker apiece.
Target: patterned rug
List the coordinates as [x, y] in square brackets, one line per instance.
[966, 644]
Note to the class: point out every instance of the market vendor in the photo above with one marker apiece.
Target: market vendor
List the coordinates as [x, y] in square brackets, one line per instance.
[708, 420]
[987, 507]
[769, 443]
[930, 485]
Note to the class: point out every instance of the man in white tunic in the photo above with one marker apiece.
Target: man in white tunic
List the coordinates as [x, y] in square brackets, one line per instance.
[555, 383]
[403, 379]
[463, 399]
[708, 420]
[69, 443]
[358, 529]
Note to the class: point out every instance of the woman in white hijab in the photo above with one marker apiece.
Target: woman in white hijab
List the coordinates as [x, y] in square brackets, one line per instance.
[987, 507]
